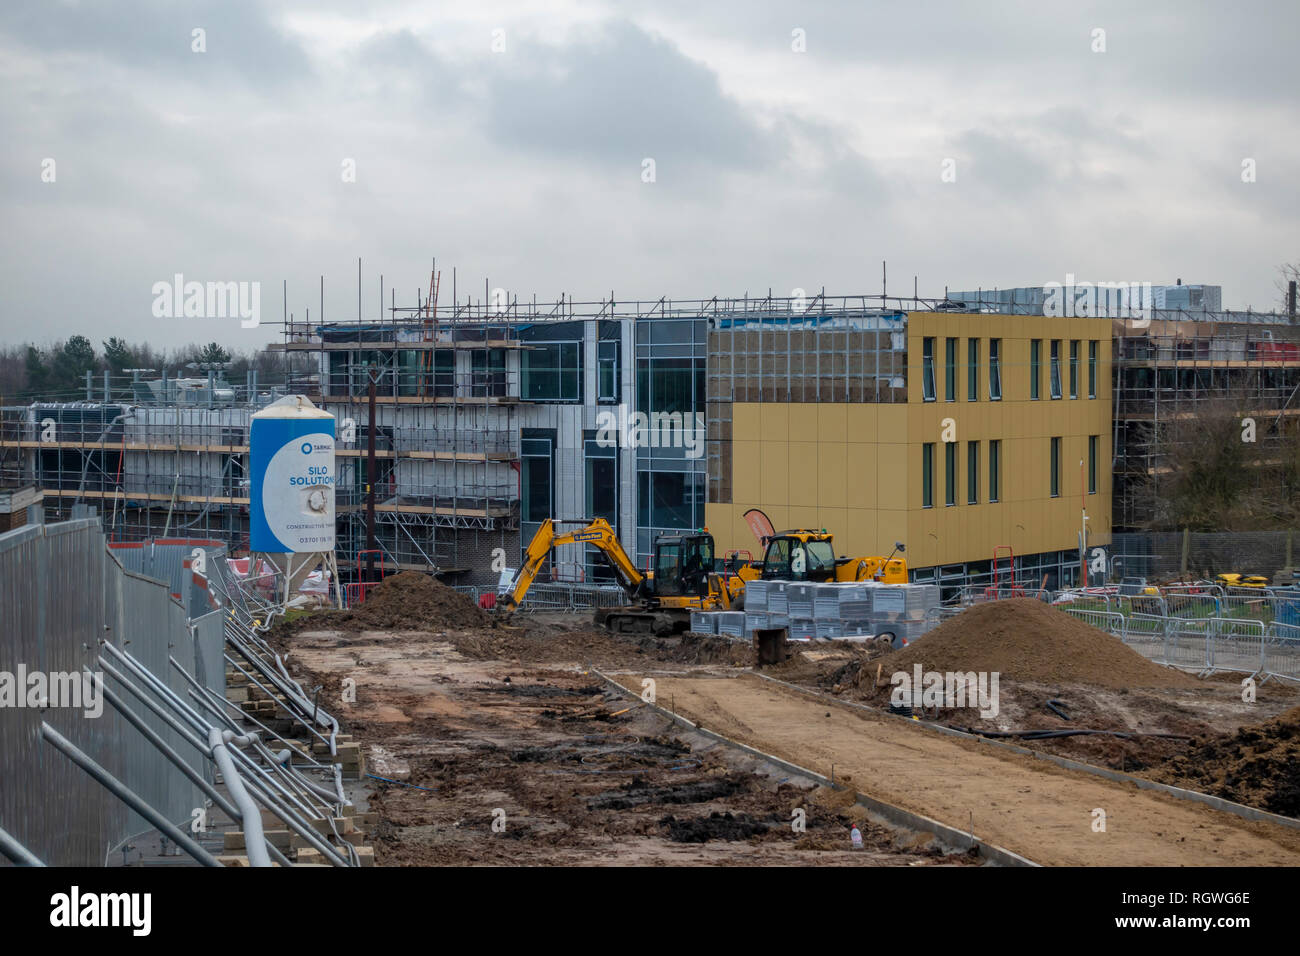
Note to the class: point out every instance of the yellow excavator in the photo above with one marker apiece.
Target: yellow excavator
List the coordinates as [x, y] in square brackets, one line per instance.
[683, 578]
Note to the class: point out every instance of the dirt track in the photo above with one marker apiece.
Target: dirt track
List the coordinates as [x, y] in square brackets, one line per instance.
[1033, 808]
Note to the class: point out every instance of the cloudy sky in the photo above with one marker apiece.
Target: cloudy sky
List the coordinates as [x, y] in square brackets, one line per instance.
[510, 141]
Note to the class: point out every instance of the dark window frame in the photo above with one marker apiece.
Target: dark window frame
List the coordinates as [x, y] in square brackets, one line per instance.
[995, 470]
[972, 473]
[995, 370]
[927, 475]
[972, 370]
[1055, 453]
[1035, 368]
[927, 369]
[950, 474]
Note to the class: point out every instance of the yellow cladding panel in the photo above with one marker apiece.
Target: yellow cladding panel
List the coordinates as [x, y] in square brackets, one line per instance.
[746, 422]
[891, 423]
[803, 422]
[861, 422]
[856, 469]
[891, 476]
[775, 422]
[832, 422]
[804, 487]
[746, 471]
[832, 473]
[774, 472]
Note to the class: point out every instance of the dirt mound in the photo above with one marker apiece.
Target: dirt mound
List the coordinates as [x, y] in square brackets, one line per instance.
[1024, 639]
[412, 601]
[1259, 765]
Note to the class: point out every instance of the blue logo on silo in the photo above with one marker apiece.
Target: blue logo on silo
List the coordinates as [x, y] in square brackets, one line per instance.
[305, 448]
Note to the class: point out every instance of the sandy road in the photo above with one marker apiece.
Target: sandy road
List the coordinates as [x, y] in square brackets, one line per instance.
[1036, 809]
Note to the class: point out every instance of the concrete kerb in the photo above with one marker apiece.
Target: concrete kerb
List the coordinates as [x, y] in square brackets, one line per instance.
[1193, 796]
[949, 837]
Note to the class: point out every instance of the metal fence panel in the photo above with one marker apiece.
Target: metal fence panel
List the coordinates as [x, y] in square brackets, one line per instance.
[1187, 642]
[1237, 645]
[63, 594]
[1282, 651]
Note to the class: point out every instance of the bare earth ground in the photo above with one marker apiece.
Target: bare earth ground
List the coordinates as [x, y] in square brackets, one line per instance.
[507, 718]
[1038, 810]
[581, 775]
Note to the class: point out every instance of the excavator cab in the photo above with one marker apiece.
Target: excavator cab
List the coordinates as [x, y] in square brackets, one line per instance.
[682, 565]
[799, 556]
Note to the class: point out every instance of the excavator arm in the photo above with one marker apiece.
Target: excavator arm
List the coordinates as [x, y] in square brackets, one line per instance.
[597, 532]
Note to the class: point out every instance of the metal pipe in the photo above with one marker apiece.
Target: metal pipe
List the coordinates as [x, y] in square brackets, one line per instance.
[171, 721]
[266, 690]
[16, 852]
[166, 749]
[162, 690]
[254, 838]
[245, 759]
[126, 795]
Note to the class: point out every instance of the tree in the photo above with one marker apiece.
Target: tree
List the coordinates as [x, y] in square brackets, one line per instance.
[1228, 467]
[38, 374]
[72, 362]
[212, 354]
[118, 355]
[1287, 273]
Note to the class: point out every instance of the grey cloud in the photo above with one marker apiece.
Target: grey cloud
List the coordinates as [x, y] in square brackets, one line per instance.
[243, 44]
[617, 96]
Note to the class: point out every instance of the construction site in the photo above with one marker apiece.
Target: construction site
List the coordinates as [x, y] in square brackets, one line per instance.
[458, 605]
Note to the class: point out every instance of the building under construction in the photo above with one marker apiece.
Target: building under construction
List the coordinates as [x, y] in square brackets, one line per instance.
[462, 429]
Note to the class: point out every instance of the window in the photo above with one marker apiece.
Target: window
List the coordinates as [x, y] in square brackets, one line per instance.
[488, 372]
[444, 374]
[1092, 464]
[607, 371]
[950, 473]
[601, 476]
[972, 473]
[927, 369]
[1074, 368]
[552, 372]
[950, 370]
[972, 370]
[1092, 369]
[535, 479]
[927, 475]
[671, 385]
[1035, 366]
[1055, 372]
[670, 500]
[1056, 467]
[995, 465]
[995, 370]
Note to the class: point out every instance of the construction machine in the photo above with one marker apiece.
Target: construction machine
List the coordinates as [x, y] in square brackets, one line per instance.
[682, 579]
[804, 555]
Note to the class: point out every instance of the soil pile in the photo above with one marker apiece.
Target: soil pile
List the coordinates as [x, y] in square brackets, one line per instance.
[1259, 765]
[1027, 640]
[411, 601]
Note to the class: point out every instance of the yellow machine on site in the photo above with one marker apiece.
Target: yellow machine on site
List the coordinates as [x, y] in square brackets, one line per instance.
[805, 555]
[683, 578]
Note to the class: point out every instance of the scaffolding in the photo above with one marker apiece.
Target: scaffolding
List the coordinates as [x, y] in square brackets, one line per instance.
[453, 385]
[1177, 369]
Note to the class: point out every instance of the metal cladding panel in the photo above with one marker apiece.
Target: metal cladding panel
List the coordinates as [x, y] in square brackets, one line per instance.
[291, 494]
